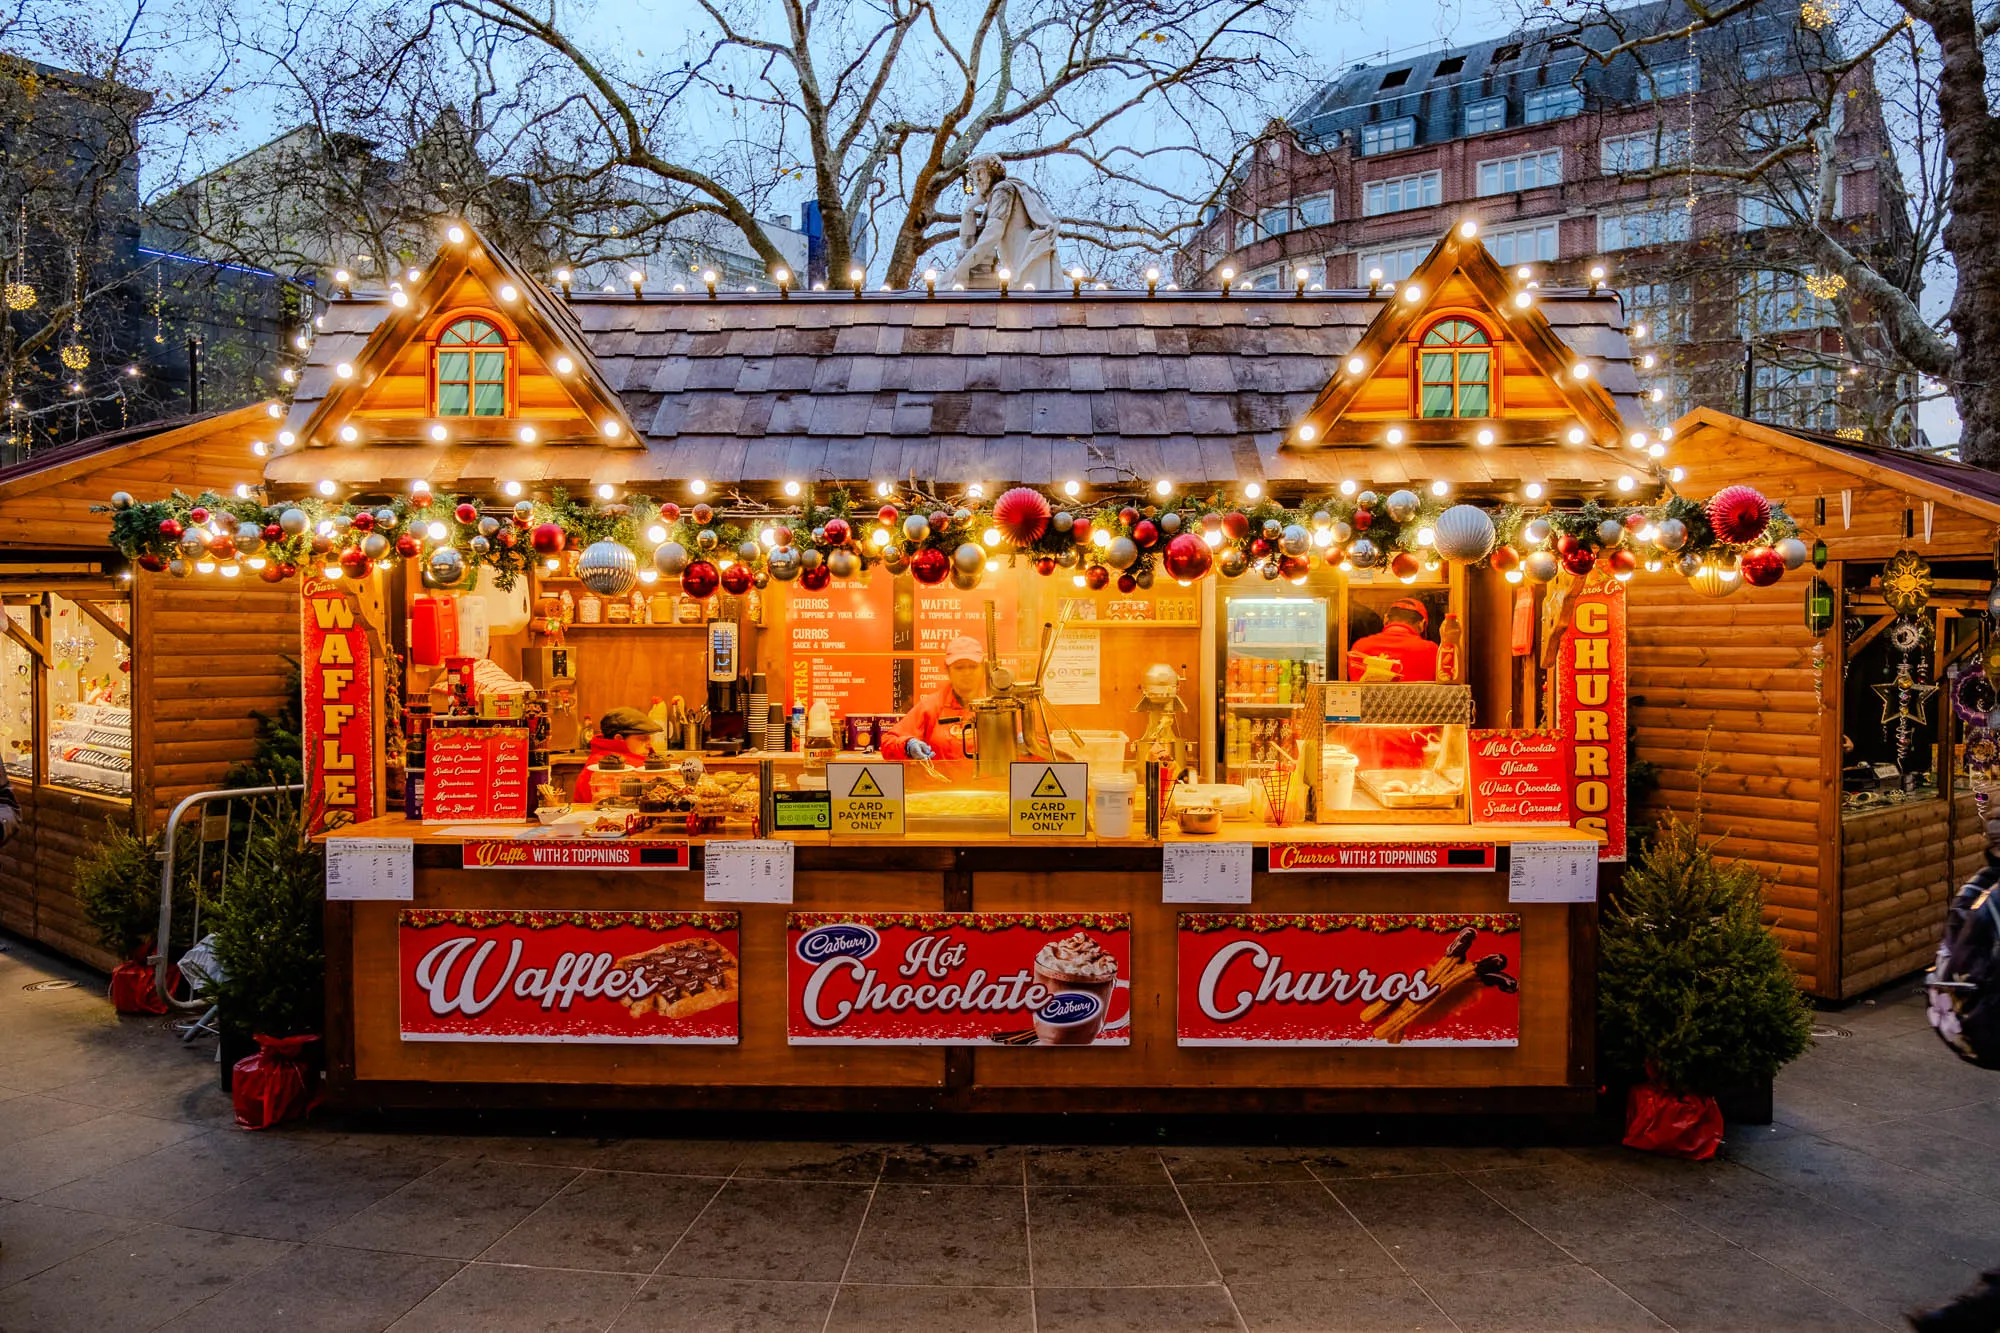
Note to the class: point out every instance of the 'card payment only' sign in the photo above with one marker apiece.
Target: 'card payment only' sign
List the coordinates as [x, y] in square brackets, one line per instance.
[867, 799]
[1046, 800]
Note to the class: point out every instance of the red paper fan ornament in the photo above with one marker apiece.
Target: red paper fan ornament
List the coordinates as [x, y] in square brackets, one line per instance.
[1022, 515]
[1738, 514]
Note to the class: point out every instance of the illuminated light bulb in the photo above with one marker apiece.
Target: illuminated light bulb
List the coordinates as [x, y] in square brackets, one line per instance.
[437, 532]
[273, 410]
[1656, 450]
[510, 489]
[1406, 578]
[398, 299]
[1597, 273]
[261, 449]
[1355, 365]
[1252, 490]
[420, 487]
[1300, 581]
[342, 276]
[1440, 487]
[349, 435]
[1513, 576]
[990, 537]
[1648, 533]
[564, 365]
[1307, 430]
[976, 491]
[204, 567]
[507, 292]
[330, 571]
[552, 564]
[1323, 537]
[782, 277]
[1395, 435]
[1214, 539]
[438, 432]
[1654, 566]
[288, 375]
[1577, 435]
[325, 528]
[879, 537]
[1484, 437]
[610, 429]
[527, 435]
[1638, 330]
[1166, 487]
[1666, 432]
[1374, 275]
[1346, 566]
[1348, 487]
[1646, 361]
[1522, 300]
[1071, 489]
[286, 439]
[326, 487]
[606, 491]
[230, 571]
[1524, 273]
[242, 490]
[256, 562]
[697, 487]
[1580, 371]
[1626, 483]
[1100, 537]
[792, 489]
[882, 489]
[992, 565]
[1727, 575]
[1077, 579]
[1638, 439]
[1468, 229]
[1413, 293]
[456, 235]
[1533, 490]
[1658, 395]
[657, 534]
[1678, 475]
[1425, 536]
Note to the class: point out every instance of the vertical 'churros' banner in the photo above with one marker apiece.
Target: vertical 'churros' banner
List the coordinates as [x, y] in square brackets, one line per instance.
[1590, 714]
[1343, 979]
[337, 675]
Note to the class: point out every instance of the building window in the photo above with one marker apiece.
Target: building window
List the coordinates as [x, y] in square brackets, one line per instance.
[1490, 114]
[1524, 171]
[1394, 263]
[1399, 193]
[1275, 221]
[1388, 136]
[1316, 211]
[1551, 103]
[1775, 301]
[1763, 60]
[1267, 281]
[1455, 364]
[1535, 243]
[75, 694]
[1662, 307]
[1642, 151]
[1670, 80]
[1807, 397]
[1769, 127]
[1660, 222]
[472, 370]
[1246, 232]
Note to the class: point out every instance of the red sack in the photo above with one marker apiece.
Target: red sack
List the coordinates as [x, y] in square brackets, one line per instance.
[275, 1084]
[1659, 1121]
[133, 992]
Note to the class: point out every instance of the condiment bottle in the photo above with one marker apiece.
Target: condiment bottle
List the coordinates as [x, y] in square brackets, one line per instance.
[1450, 634]
[589, 609]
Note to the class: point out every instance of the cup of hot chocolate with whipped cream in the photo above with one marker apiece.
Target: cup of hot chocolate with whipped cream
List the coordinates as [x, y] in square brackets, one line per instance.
[1079, 976]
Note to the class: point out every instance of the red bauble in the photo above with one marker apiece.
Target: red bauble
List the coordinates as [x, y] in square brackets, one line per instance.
[222, 548]
[506, 538]
[1187, 557]
[1045, 564]
[1097, 576]
[1293, 566]
[887, 515]
[1567, 543]
[781, 537]
[816, 578]
[1405, 565]
[1761, 566]
[288, 569]
[837, 532]
[1145, 532]
[353, 563]
[1623, 560]
[420, 500]
[1126, 583]
[151, 563]
[930, 566]
[364, 521]
[699, 579]
[171, 527]
[1506, 558]
[1259, 548]
[702, 514]
[1236, 523]
[737, 579]
[1128, 516]
[1079, 531]
[466, 513]
[198, 514]
[1364, 519]
[272, 532]
[1579, 560]
[549, 540]
[1738, 514]
[407, 546]
[272, 573]
[1636, 520]
[1022, 515]
[670, 512]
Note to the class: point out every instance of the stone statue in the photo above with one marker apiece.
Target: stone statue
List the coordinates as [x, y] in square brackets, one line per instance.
[1005, 225]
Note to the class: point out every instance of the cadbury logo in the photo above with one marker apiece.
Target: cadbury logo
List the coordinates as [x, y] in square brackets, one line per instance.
[1070, 1006]
[843, 939]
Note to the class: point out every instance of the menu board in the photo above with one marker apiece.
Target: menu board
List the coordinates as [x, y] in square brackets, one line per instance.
[474, 774]
[1517, 777]
[840, 639]
[944, 612]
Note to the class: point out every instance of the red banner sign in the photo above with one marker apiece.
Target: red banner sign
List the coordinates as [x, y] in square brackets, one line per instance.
[1320, 856]
[574, 854]
[657, 978]
[475, 773]
[959, 979]
[1518, 777]
[1590, 713]
[1349, 980]
[338, 679]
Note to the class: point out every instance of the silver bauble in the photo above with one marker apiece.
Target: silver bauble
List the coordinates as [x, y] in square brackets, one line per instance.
[341, 522]
[1121, 553]
[1689, 565]
[1993, 602]
[819, 536]
[446, 566]
[192, 546]
[1363, 553]
[1672, 534]
[1143, 577]
[843, 563]
[121, 499]
[916, 527]
[374, 546]
[1170, 523]
[1067, 558]
[1540, 566]
[1610, 532]
[1792, 551]
[784, 563]
[480, 545]
[488, 525]
[1536, 532]
[1463, 532]
[749, 553]
[1321, 518]
[1063, 521]
[968, 558]
[293, 522]
[1342, 531]
[1295, 540]
[1269, 569]
[385, 518]
[965, 580]
[670, 558]
[1231, 562]
[1273, 530]
[706, 539]
[523, 511]
[811, 559]
[761, 579]
[249, 538]
[1402, 505]
[607, 568]
[178, 568]
[894, 560]
[961, 515]
[1366, 500]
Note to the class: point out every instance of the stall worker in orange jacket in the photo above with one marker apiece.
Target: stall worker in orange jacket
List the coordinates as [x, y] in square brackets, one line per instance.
[622, 732]
[933, 729]
[1401, 640]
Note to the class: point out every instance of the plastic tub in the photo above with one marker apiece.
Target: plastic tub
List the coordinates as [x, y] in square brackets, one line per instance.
[1104, 751]
[1336, 788]
[1111, 804]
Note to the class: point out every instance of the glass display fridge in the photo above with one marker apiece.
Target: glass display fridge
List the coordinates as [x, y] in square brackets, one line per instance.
[1274, 650]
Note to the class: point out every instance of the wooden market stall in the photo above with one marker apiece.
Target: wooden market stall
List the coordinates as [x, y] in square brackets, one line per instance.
[1861, 848]
[1257, 531]
[119, 697]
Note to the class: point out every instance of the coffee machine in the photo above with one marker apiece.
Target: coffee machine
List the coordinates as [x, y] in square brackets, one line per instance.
[552, 669]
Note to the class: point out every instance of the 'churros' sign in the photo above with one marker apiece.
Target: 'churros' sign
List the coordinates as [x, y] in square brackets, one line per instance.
[1311, 856]
[338, 679]
[1331, 979]
[1590, 713]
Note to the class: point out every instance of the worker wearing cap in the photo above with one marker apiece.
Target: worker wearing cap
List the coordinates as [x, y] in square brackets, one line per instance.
[935, 727]
[622, 732]
[1401, 640]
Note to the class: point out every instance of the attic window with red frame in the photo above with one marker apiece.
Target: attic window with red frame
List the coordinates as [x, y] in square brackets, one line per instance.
[472, 370]
[1455, 370]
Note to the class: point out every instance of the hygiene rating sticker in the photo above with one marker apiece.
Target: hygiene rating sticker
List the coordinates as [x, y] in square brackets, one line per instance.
[1046, 800]
[867, 799]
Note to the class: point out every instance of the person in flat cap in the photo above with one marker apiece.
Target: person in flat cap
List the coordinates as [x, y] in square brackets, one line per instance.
[933, 729]
[621, 738]
[1401, 640]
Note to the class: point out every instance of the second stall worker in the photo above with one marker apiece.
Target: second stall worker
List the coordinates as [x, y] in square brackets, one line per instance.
[934, 729]
[1400, 642]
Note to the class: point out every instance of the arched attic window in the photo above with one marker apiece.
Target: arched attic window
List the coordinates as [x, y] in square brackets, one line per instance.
[471, 373]
[1455, 370]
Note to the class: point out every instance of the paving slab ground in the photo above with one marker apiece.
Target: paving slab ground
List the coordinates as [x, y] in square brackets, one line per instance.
[129, 1200]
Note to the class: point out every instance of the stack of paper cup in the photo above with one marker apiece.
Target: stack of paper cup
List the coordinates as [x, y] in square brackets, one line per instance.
[756, 718]
[1336, 781]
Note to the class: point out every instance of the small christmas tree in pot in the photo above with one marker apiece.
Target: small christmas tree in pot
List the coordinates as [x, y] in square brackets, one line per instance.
[1694, 995]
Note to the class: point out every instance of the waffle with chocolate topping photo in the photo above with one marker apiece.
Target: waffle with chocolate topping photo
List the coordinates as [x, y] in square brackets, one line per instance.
[685, 978]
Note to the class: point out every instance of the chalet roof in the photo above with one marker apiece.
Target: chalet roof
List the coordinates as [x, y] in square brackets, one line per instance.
[48, 466]
[1037, 387]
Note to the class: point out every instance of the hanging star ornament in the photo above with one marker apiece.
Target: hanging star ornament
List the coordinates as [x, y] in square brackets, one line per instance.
[1903, 699]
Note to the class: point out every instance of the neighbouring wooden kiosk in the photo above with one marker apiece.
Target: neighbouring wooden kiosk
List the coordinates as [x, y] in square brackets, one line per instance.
[120, 697]
[1849, 791]
[1351, 566]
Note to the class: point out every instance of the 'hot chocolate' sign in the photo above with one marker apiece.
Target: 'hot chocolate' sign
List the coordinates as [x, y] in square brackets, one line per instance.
[959, 979]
